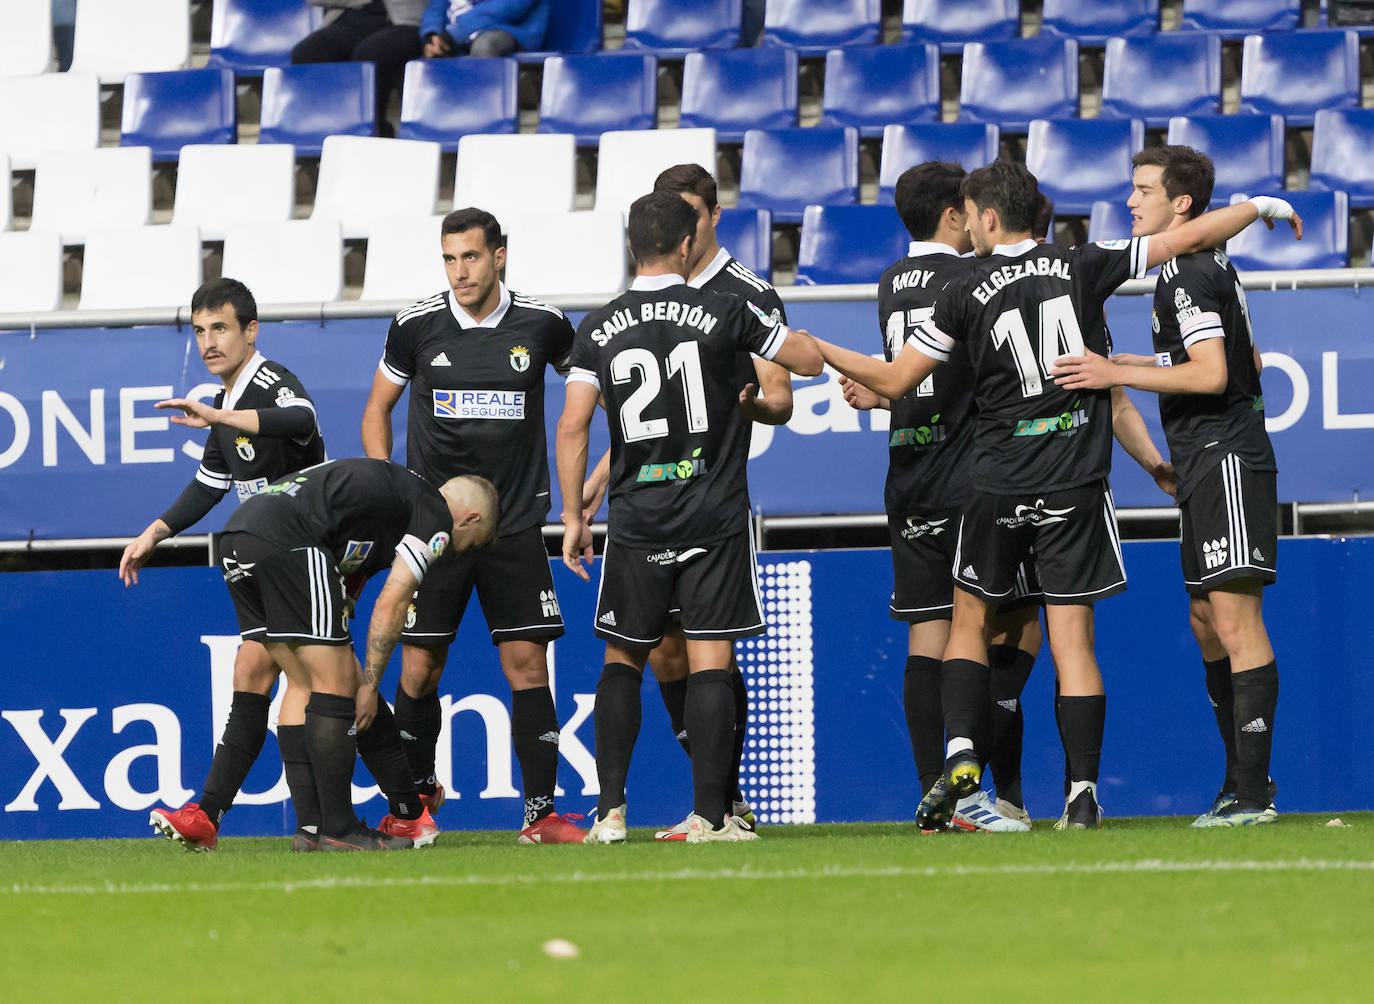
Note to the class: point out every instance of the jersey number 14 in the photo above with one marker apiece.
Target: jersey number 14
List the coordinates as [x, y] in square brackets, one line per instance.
[1059, 336]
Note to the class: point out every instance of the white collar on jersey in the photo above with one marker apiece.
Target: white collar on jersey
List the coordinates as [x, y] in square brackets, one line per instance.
[1015, 250]
[917, 249]
[241, 384]
[652, 282]
[466, 321]
[711, 270]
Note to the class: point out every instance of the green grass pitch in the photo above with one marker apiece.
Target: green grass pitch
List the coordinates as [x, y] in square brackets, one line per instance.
[1142, 910]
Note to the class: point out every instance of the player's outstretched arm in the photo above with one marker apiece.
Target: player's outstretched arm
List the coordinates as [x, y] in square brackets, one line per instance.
[381, 401]
[383, 635]
[1130, 431]
[1203, 373]
[767, 401]
[887, 379]
[1215, 228]
[800, 352]
[570, 452]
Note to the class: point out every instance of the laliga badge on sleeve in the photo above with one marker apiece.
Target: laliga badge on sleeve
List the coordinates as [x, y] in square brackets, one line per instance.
[437, 543]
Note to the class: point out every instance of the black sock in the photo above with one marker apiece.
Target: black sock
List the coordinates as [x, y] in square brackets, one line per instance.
[419, 720]
[732, 789]
[299, 776]
[329, 739]
[1081, 722]
[965, 689]
[1256, 697]
[675, 699]
[925, 720]
[710, 715]
[240, 745]
[1011, 668]
[534, 732]
[616, 725]
[1220, 695]
[382, 755]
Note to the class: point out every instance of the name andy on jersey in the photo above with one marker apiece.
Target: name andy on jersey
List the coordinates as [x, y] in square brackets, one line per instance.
[1008, 274]
[660, 310]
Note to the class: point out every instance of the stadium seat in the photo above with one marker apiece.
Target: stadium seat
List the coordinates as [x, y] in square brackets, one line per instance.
[786, 170]
[869, 87]
[952, 23]
[301, 105]
[628, 162]
[31, 263]
[140, 267]
[1110, 220]
[363, 178]
[248, 36]
[1093, 22]
[813, 26]
[1343, 155]
[1246, 150]
[1297, 73]
[404, 260]
[1011, 83]
[677, 27]
[1325, 235]
[1162, 76]
[25, 39]
[134, 36]
[1236, 18]
[849, 244]
[445, 99]
[508, 175]
[166, 111]
[733, 92]
[299, 261]
[748, 235]
[538, 260]
[970, 144]
[54, 111]
[1079, 161]
[7, 195]
[589, 95]
[77, 191]
[221, 186]
[574, 26]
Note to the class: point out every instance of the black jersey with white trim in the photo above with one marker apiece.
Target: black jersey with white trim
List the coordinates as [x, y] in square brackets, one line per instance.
[663, 355]
[477, 395]
[1199, 296]
[727, 276]
[1017, 310]
[364, 512]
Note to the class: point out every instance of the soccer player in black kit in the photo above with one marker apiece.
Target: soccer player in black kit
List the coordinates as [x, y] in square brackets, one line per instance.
[475, 357]
[1206, 372]
[664, 357]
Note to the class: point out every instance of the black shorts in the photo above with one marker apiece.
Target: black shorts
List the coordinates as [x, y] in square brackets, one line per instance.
[1069, 537]
[922, 561]
[514, 585]
[715, 587]
[1229, 527]
[290, 596]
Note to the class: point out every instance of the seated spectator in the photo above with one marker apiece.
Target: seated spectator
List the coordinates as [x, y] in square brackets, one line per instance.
[486, 28]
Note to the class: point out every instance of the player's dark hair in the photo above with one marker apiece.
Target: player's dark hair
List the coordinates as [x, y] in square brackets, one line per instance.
[924, 192]
[659, 222]
[217, 293]
[1186, 172]
[462, 220]
[1044, 218]
[1008, 188]
[689, 179]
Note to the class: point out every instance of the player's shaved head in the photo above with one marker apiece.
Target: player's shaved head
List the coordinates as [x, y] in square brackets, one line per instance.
[476, 508]
[659, 223]
[688, 179]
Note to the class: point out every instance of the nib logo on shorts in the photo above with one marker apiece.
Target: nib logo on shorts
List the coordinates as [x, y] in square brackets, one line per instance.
[969, 573]
[608, 618]
[1214, 553]
[1255, 726]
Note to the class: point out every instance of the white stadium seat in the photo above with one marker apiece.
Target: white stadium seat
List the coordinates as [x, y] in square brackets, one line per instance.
[628, 161]
[31, 263]
[140, 267]
[364, 179]
[76, 191]
[566, 254]
[25, 37]
[55, 111]
[220, 185]
[508, 175]
[296, 262]
[404, 261]
[6, 195]
[131, 36]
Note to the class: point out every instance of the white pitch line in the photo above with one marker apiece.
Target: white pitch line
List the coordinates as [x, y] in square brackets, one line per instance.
[1147, 865]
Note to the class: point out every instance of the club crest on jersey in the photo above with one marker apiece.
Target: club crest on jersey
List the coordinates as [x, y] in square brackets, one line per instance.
[410, 616]
[244, 448]
[355, 553]
[284, 395]
[520, 359]
[673, 470]
[437, 543]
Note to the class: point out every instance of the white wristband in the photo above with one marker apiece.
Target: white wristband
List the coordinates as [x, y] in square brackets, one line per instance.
[1271, 208]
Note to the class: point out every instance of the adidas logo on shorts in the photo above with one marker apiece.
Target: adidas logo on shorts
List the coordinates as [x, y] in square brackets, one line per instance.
[1256, 554]
[1255, 726]
[969, 573]
[608, 618]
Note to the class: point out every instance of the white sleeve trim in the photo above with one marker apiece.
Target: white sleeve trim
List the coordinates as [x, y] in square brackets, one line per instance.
[297, 402]
[392, 373]
[775, 341]
[578, 375]
[929, 340]
[1140, 257]
[415, 553]
[1200, 328]
[213, 479]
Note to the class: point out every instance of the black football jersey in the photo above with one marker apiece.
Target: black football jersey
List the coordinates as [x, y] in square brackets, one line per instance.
[1199, 296]
[477, 395]
[930, 435]
[363, 512]
[664, 357]
[727, 276]
[1018, 310]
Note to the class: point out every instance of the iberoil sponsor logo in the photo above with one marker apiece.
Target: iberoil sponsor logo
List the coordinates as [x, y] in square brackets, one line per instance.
[673, 470]
[1065, 423]
[921, 436]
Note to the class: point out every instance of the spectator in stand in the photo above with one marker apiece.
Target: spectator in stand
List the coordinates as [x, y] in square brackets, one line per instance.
[484, 28]
[63, 31]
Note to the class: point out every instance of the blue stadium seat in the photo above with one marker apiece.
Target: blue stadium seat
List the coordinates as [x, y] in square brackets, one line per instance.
[574, 26]
[748, 235]
[166, 111]
[1235, 18]
[1297, 73]
[971, 145]
[1162, 76]
[1110, 220]
[813, 26]
[677, 27]
[301, 105]
[1092, 22]
[1079, 161]
[589, 95]
[786, 170]
[849, 244]
[1343, 155]
[1011, 83]
[1246, 150]
[446, 99]
[1325, 235]
[739, 90]
[869, 87]
[951, 23]
[248, 36]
